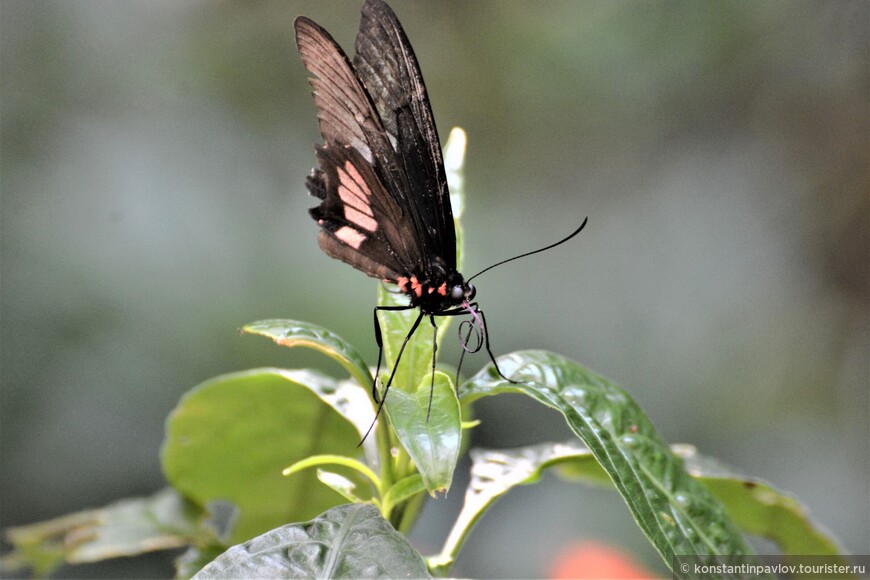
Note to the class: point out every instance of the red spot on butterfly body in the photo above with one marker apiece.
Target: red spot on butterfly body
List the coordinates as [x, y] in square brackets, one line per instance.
[442, 289]
[416, 286]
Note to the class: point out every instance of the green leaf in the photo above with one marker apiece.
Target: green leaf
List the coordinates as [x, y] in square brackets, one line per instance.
[341, 484]
[348, 541]
[454, 167]
[293, 333]
[402, 491]
[454, 162]
[755, 506]
[431, 439]
[494, 473]
[761, 509]
[229, 438]
[349, 462]
[125, 528]
[676, 513]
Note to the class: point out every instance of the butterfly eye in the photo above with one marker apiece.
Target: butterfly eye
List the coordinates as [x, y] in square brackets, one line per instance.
[457, 293]
[470, 291]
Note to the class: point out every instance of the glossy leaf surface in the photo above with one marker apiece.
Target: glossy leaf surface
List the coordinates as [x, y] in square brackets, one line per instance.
[677, 514]
[348, 541]
[432, 439]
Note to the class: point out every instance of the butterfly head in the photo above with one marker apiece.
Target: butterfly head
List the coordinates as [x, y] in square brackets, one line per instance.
[457, 292]
[464, 292]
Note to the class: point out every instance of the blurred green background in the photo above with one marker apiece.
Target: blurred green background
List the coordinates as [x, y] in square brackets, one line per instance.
[153, 201]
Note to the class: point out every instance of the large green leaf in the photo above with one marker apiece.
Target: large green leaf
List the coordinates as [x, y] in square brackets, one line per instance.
[431, 439]
[352, 398]
[229, 438]
[677, 514]
[348, 541]
[124, 528]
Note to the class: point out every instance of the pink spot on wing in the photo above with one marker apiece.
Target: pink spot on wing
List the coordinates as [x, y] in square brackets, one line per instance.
[354, 174]
[360, 219]
[355, 194]
[350, 236]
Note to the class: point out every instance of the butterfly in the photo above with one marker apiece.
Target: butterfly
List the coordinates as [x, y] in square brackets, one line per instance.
[385, 206]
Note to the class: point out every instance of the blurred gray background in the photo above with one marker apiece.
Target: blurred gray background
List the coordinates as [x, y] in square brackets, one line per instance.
[153, 201]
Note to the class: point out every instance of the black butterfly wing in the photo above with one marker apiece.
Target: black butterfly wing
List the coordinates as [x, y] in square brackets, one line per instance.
[344, 109]
[386, 65]
[364, 222]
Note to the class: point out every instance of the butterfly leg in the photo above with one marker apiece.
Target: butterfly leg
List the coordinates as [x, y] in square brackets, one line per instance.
[380, 343]
[465, 350]
[434, 350]
[488, 349]
[395, 366]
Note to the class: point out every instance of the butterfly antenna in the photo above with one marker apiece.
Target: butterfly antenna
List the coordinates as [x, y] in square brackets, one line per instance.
[562, 241]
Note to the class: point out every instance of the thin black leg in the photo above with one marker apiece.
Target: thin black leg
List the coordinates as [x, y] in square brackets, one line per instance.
[434, 350]
[489, 350]
[380, 343]
[464, 351]
[395, 365]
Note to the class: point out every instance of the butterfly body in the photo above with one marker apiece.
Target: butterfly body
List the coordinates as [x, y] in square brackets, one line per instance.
[436, 294]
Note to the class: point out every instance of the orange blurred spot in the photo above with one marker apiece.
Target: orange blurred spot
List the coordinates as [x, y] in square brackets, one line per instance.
[595, 560]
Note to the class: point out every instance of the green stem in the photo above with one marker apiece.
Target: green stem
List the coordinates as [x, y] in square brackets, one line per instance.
[316, 460]
[411, 513]
[385, 457]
